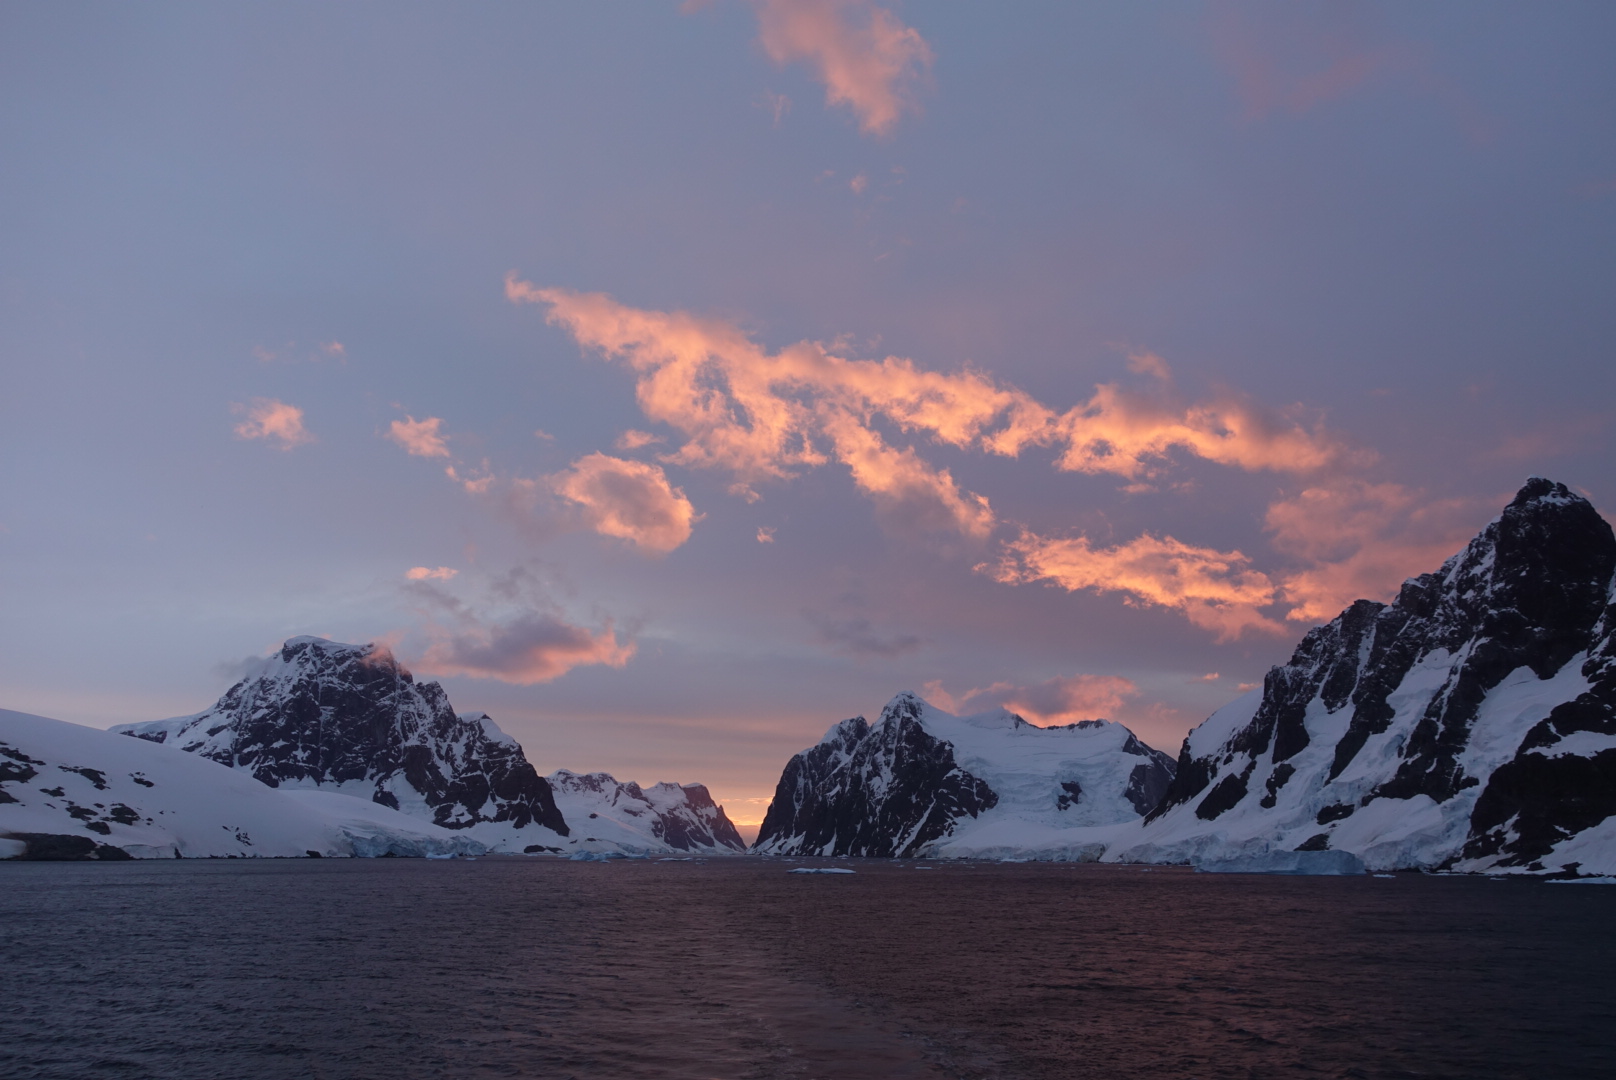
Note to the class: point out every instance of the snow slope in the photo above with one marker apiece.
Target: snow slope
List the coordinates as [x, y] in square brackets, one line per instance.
[113, 796]
[922, 781]
[1470, 725]
[605, 813]
[349, 718]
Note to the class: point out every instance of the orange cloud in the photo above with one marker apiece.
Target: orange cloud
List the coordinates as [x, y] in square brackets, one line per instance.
[422, 573]
[630, 500]
[1213, 589]
[867, 58]
[474, 485]
[634, 440]
[267, 418]
[766, 416]
[527, 650]
[420, 437]
[762, 416]
[1061, 700]
[1362, 541]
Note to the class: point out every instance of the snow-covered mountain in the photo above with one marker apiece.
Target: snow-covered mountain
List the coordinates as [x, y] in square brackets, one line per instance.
[662, 817]
[349, 718]
[68, 791]
[921, 781]
[1470, 724]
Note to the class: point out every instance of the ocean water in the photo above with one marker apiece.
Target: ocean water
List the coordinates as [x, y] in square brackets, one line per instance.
[733, 969]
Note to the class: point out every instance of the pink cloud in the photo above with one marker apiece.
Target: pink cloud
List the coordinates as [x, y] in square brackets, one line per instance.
[1061, 700]
[635, 440]
[763, 415]
[1215, 590]
[421, 438]
[533, 648]
[422, 573]
[630, 500]
[277, 421]
[1362, 540]
[473, 485]
[1293, 60]
[769, 416]
[867, 58]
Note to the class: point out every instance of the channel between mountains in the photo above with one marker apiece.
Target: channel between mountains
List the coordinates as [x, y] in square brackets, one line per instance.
[1468, 725]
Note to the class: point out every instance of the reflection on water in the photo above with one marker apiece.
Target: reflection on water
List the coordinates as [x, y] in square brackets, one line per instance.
[734, 969]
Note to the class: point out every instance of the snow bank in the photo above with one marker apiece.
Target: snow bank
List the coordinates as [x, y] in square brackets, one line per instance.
[152, 801]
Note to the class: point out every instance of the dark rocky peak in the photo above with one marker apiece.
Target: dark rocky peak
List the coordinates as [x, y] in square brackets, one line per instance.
[905, 705]
[322, 713]
[884, 790]
[1535, 580]
[1531, 590]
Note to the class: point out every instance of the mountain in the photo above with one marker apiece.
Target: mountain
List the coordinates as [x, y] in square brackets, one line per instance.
[349, 718]
[72, 792]
[921, 781]
[1468, 725]
[663, 817]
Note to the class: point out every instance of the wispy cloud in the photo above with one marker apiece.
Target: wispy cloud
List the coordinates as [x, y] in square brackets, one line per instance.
[422, 438]
[1362, 540]
[276, 421]
[1063, 699]
[857, 636]
[635, 440]
[523, 641]
[630, 500]
[527, 650]
[867, 58]
[1215, 590]
[769, 416]
[424, 573]
[1293, 60]
[763, 415]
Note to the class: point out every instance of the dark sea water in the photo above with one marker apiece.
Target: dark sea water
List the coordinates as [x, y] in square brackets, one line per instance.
[734, 969]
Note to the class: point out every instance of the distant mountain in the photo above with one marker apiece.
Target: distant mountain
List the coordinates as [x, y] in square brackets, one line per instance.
[73, 792]
[1470, 724]
[663, 817]
[350, 718]
[921, 781]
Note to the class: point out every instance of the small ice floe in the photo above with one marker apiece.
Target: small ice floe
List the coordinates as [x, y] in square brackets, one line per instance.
[1386, 875]
[1583, 881]
[819, 870]
[925, 868]
[449, 855]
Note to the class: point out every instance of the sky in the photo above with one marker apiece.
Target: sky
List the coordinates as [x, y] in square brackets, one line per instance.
[673, 381]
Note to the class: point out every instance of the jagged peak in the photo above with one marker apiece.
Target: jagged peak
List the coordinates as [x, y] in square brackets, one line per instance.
[847, 731]
[906, 704]
[309, 649]
[1540, 489]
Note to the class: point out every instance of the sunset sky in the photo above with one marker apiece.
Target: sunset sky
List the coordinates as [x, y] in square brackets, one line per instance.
[673, 381]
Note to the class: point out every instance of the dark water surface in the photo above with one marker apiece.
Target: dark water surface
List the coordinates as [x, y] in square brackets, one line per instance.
[731, 969]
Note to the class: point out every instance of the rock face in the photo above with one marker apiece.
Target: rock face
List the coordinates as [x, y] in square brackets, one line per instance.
[662, 817]
[350, 718]
[921, 781]
[1470, 724]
